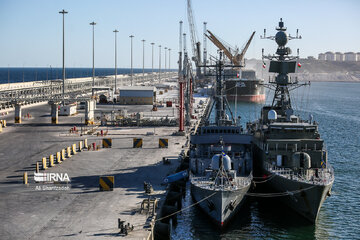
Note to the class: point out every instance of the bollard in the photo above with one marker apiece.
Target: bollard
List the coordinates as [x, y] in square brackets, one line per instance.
[4, 123]
[58, 158]
[63, 153]
[44, 164]
[74, 149]
[25, 178]
[85, 143]
[37, 167]
[80, 146]
[68, 152]
[94, 146]
[51, 161]
[102, 132]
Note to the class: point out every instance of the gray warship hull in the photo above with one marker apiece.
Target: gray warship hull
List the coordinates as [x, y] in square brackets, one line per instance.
[222, 205]
[306, 199]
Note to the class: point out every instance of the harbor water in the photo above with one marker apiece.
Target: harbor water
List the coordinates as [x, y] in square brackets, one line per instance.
[334, 105]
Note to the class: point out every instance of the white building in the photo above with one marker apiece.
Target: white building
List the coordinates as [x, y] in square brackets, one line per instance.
[329, 56]
[350, 57]
[137, 95]
[321, 56]
[339, 57]
[358, 56]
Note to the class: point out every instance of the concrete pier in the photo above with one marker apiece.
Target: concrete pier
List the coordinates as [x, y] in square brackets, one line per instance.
[78, 209]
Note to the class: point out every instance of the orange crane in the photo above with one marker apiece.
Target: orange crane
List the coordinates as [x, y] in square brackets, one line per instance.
[236, 58]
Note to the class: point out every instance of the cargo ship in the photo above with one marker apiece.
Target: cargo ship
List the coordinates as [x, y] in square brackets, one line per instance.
[245, 88]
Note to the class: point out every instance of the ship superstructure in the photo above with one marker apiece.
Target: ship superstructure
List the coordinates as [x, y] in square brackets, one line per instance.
[220, 158]
[288, 151]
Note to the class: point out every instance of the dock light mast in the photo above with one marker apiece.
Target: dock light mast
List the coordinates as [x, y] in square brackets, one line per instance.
[152, 57]
[143, 56]
[115, 31]
[63, 12]
[131, 58]
[159, 62]
[181, 83]
[93, 57]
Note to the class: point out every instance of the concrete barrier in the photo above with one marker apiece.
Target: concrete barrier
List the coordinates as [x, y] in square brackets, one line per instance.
[51, 161]
[44, 164]
[107, 143]
[106, 183]
[58, 158]
[163, 143]
[137, 142]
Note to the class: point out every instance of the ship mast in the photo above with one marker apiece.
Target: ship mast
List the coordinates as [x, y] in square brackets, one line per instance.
[282, 64]
[219, 99]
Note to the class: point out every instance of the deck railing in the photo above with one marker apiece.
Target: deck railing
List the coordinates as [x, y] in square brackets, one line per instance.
[318, 176]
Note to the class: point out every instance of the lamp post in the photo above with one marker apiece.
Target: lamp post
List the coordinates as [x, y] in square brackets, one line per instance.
[131, 59]
[169, 59]
[152, 57]
[159, 62]
[165, 60]
[143, 56]
[115, 31]
[63, 12]
[93, 58]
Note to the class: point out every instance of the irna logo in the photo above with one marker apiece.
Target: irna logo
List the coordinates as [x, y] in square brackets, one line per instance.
[51, 177]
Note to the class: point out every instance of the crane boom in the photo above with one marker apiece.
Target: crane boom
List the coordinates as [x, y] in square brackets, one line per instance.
[195, 44]
[240, 57]
[220, 45]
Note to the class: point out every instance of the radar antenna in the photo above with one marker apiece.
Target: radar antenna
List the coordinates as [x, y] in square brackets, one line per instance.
[282, 63]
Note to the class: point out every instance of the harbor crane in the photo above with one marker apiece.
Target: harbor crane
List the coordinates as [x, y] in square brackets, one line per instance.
[232, 54]
[195, 44]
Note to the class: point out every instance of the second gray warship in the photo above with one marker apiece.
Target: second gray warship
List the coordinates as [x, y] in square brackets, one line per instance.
[220, 159]
[288, 152]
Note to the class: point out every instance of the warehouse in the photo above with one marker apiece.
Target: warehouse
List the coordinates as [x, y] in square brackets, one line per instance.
[137, 95]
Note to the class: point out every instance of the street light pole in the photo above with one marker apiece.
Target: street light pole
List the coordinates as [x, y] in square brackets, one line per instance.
[131, 59]
[169, 59]
[152, 57]
[159, 62]
[63, 12]
[115, 31]
[143, 56]
[93, 58]
[165, 61]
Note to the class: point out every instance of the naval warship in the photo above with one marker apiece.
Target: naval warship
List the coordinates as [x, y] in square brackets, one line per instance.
[289, 153]
[220, 158]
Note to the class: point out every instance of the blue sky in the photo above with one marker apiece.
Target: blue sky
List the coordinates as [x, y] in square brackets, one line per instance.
[31, 30]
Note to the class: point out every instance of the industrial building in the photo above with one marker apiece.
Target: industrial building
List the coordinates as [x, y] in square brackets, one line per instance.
[137, 95]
